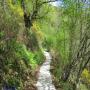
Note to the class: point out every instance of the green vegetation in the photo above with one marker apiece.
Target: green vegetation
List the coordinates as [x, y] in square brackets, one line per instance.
[28, 27]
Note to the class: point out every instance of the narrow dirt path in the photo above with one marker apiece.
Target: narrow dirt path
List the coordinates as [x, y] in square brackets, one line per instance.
[44, 80]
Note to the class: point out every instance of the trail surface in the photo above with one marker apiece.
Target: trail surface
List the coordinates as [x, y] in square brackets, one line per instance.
[44, 80]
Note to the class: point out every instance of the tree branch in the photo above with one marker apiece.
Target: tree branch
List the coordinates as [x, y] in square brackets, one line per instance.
[29, 18]
[48, 1]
